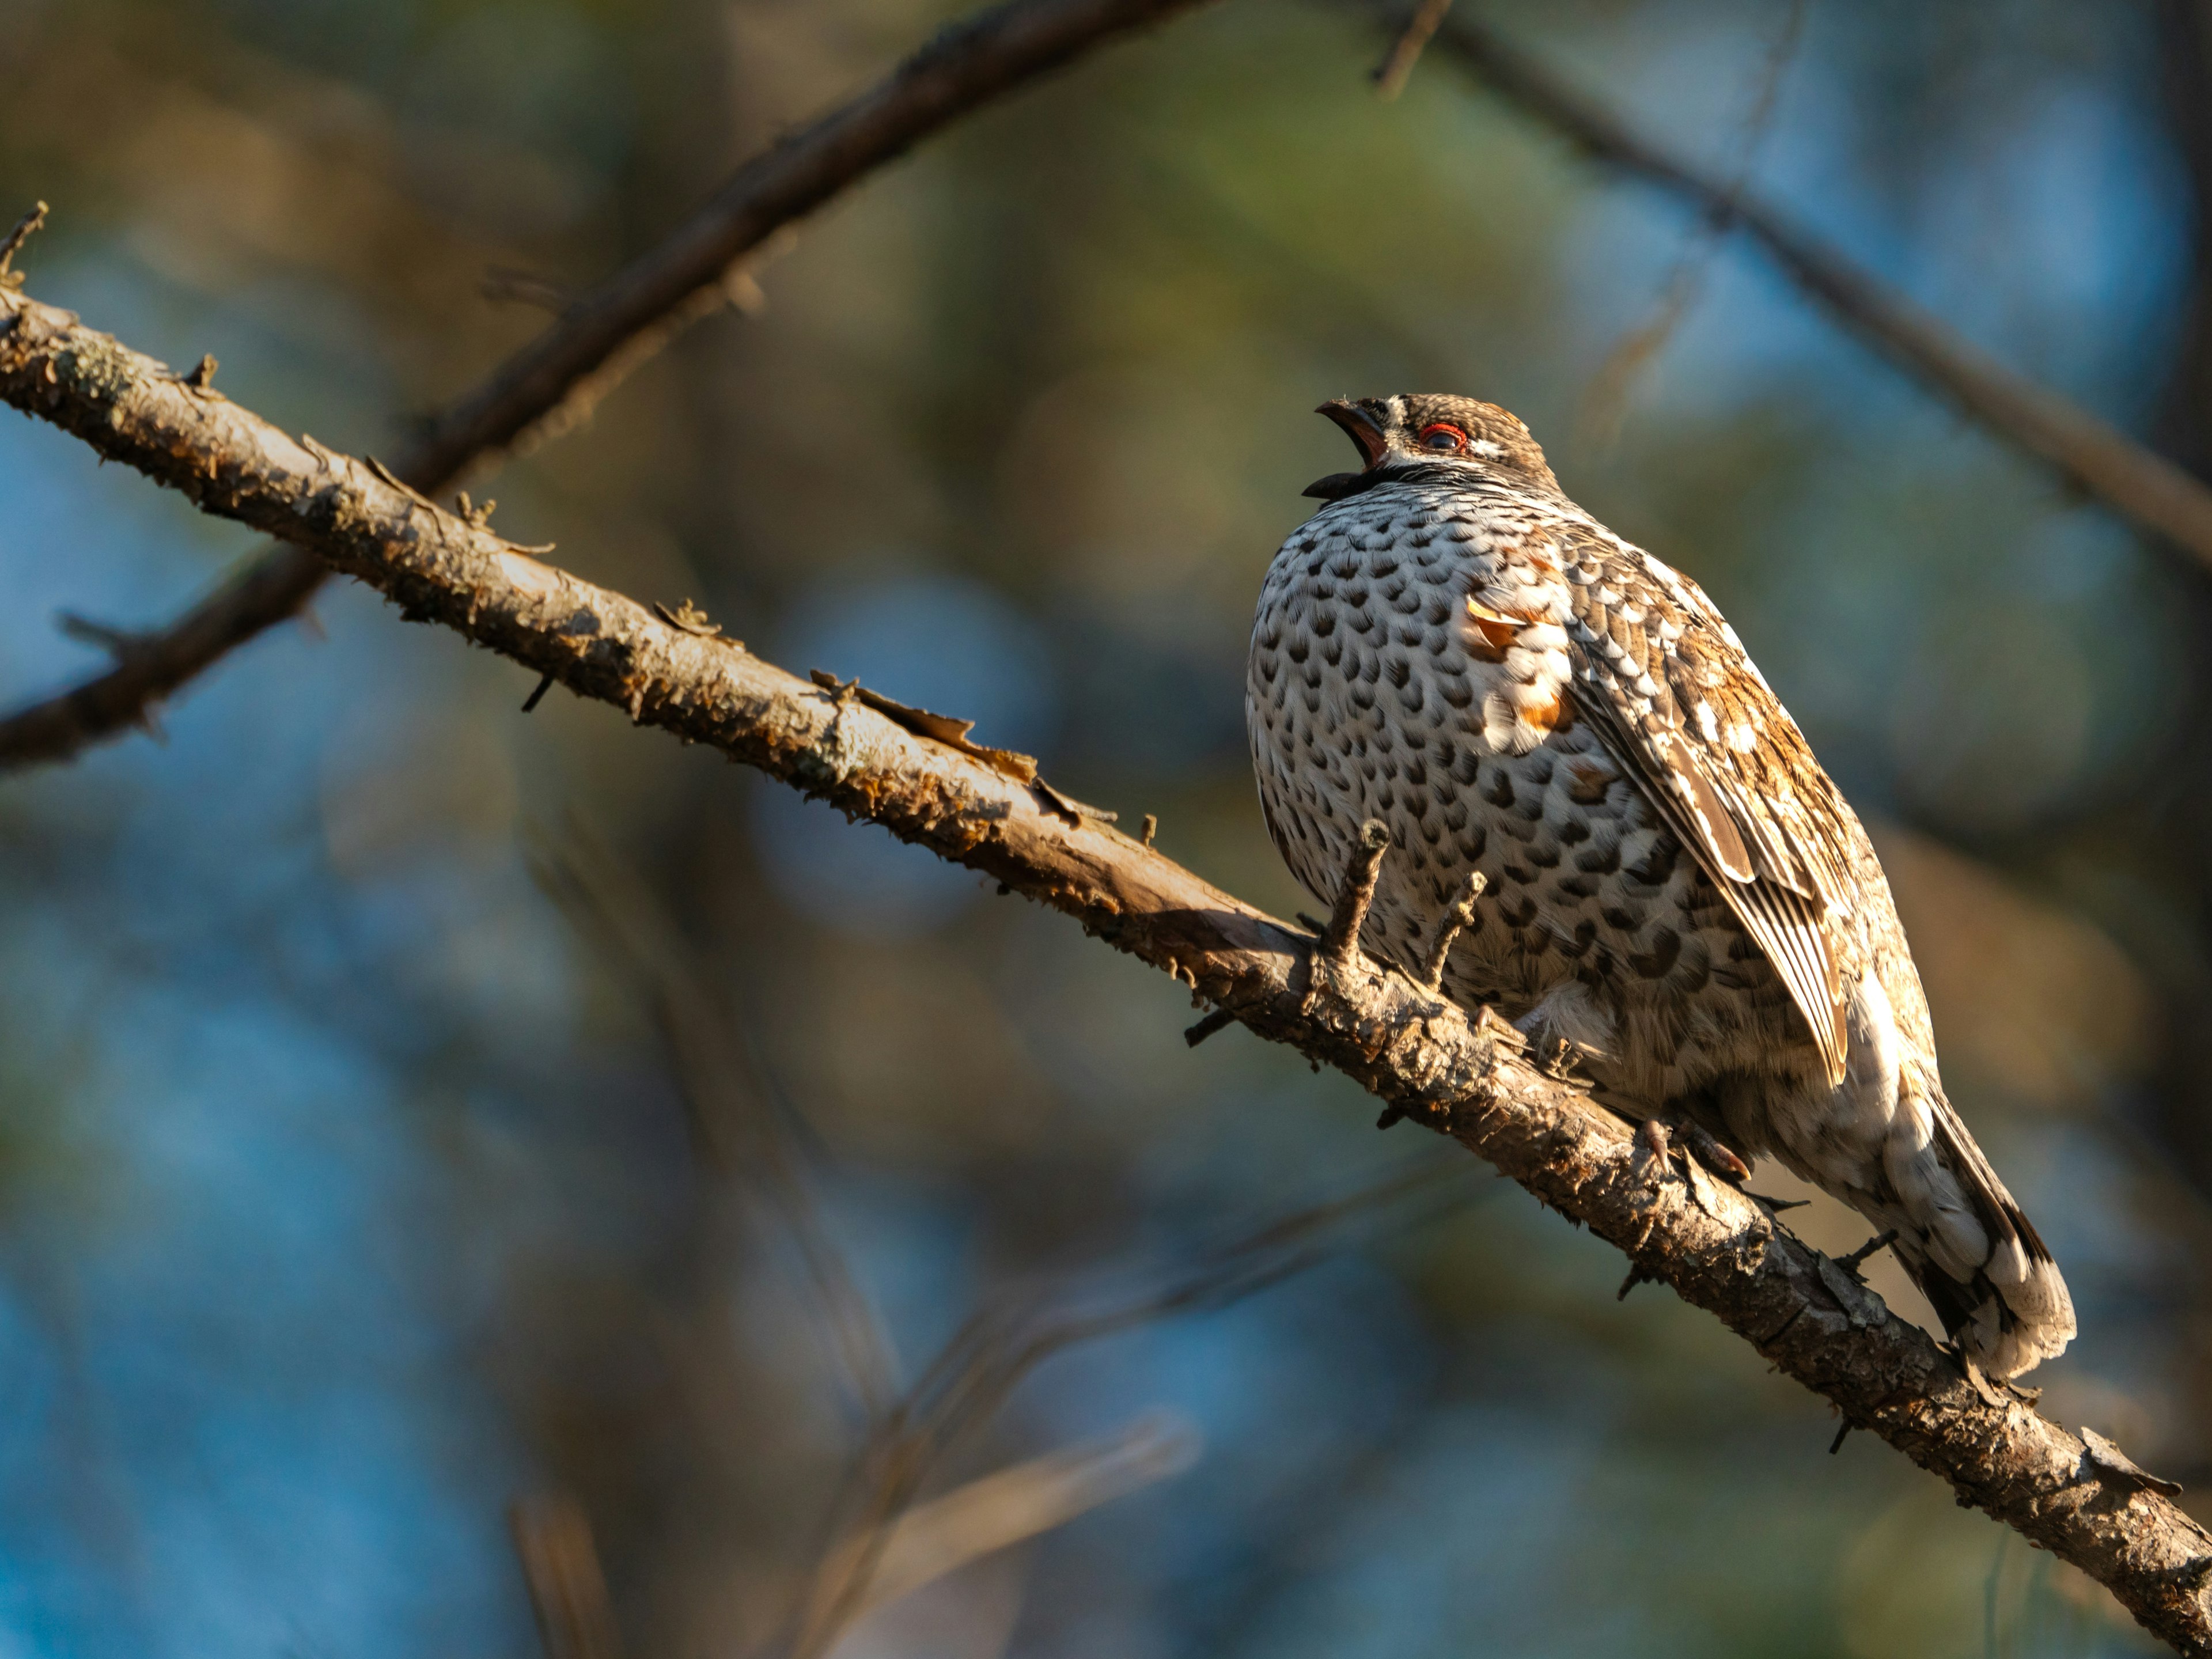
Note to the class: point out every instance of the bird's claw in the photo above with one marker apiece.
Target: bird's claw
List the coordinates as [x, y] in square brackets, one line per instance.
[1557, 1059]
[1708, 1151]
[1665, 1140]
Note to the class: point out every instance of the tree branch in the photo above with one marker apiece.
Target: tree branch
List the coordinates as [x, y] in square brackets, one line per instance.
[2090, 454]
[937, 1538]
[567, 1585]
[1460, 1075]
[550, 385]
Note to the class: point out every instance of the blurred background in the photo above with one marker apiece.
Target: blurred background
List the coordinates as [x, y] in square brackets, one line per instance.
[409, 1109]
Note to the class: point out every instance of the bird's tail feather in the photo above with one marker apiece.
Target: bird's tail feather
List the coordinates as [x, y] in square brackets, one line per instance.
[1968, 1245]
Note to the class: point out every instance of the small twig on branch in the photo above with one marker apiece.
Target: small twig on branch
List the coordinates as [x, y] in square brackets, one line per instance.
[1857, 1258]
[1220, 1020]
[2090, 454]
[25, 228]
[553, 384]
[1463, 1074]
[117, 642]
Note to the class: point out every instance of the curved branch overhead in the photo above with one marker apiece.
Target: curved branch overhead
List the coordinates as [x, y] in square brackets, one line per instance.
[2078, 1496]
[2090, 454]
[545, 388]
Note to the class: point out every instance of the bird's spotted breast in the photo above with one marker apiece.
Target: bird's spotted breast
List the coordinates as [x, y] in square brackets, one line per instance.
[1408, 667]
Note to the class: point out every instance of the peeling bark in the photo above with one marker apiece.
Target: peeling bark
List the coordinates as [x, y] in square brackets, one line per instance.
[1462, 1076]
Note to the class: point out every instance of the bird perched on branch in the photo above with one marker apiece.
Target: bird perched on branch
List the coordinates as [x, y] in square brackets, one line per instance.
[1675, 892]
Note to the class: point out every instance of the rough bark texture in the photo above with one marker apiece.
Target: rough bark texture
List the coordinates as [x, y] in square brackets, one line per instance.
[1462, 1077]
[551, 383]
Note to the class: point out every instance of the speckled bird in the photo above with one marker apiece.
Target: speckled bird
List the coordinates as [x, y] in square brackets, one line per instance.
[1676, 891]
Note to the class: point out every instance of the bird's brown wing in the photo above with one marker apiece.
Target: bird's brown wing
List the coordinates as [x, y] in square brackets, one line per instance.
[1671, 692]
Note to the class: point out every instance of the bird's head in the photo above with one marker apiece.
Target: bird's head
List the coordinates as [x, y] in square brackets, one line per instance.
[1420, 434]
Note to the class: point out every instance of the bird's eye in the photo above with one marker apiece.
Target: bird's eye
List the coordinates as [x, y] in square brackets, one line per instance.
[1441, 437]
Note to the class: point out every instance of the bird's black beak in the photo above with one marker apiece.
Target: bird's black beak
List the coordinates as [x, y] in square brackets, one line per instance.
[1363, 429]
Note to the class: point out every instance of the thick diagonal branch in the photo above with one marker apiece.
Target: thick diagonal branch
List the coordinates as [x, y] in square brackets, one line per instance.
[605, 334]
[1461, 1075]
[2090, 454]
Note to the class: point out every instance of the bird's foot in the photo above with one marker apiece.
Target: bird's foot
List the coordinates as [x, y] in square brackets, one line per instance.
[1657, 1153]
[1701, 1145]
[1991, 1393]
[1555, 1040]
[1666, 1137]
[1333, 953]
[1454, 921]
[1555, 1058]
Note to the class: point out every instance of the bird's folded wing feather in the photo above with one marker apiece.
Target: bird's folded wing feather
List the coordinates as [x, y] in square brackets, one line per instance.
[2001, 1215]
[1675, 697]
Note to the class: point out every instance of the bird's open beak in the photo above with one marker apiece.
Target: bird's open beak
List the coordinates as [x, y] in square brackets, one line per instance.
[1362, 429]
[1358, 426]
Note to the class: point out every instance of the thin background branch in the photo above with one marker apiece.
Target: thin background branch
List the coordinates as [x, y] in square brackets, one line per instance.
[972, 1377]
[1397, 65]
[1606, 401]
[2089, 453]
[734, 1128]
[549, 386]
[887, 1545]
[1012, 1506]
[562, 1571]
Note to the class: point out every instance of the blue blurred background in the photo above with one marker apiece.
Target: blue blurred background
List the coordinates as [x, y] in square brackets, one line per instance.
[347, 1191]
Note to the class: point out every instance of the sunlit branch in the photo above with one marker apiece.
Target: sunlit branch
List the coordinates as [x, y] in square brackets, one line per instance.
[602, 336]
[1465, 1076]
